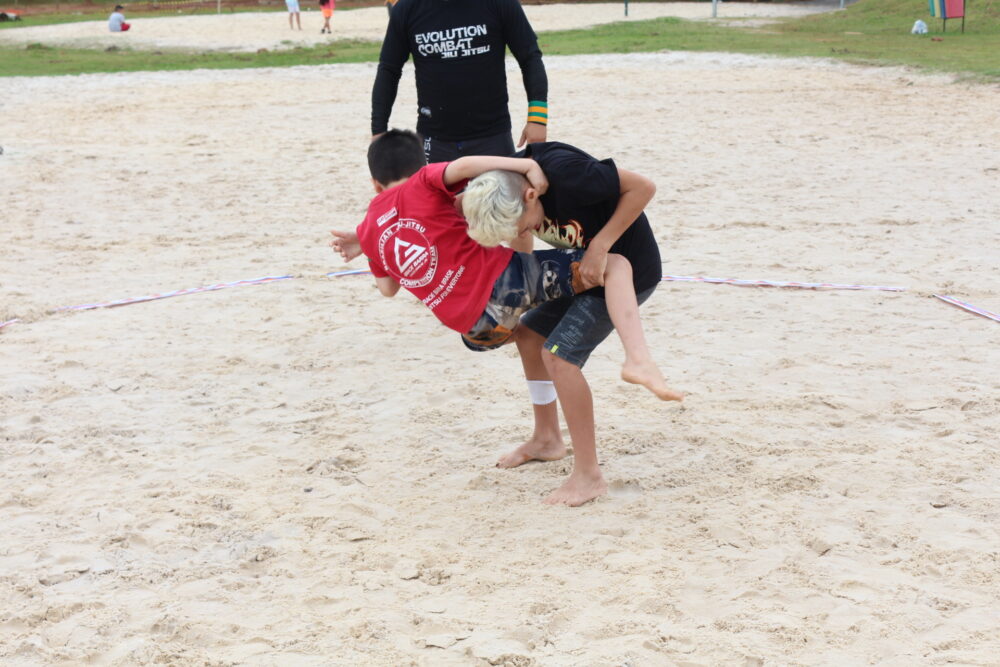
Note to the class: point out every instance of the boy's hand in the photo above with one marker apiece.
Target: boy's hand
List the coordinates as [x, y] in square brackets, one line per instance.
[346, 243]
[536, 178]
[592, 266]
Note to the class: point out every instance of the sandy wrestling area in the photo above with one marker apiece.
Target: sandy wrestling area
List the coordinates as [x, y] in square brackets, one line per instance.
[249, 32]
[301, 473]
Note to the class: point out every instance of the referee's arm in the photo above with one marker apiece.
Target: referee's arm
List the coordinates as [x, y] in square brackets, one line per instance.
[395, 52]
[523, 43]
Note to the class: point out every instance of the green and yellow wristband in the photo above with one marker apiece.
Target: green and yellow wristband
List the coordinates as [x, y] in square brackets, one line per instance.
[538, 112]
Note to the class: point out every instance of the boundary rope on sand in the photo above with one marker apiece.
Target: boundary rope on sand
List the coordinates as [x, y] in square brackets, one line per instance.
[182, 292]
[968, 306]
[775, 283]
[738, 282]
[349, 272]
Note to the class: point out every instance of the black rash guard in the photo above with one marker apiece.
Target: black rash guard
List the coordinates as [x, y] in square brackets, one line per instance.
[458, 49]
[582, 196]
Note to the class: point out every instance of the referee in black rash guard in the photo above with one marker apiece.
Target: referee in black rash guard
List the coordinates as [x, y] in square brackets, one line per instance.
[458, 49]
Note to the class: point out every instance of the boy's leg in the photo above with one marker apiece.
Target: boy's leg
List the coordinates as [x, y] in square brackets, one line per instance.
[572, 330]
[546, 442]
[639, 367]
[585, 482]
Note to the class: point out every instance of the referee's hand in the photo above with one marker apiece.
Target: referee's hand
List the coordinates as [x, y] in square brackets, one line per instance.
[532, 134]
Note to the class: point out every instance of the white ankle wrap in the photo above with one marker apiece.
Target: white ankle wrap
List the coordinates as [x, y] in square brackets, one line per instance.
[542, 392]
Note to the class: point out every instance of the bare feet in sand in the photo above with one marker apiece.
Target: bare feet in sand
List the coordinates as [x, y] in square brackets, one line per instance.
[577, 490]
[535, 449]
[648, 375]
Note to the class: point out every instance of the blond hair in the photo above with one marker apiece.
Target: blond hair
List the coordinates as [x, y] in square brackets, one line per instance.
[493, 203]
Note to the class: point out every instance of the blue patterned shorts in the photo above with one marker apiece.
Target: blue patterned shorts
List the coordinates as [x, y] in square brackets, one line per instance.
[528, 281]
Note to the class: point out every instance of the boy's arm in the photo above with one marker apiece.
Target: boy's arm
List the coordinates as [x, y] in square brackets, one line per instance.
[387, 286]
[347, 244]
[636, 193]
[471, 166]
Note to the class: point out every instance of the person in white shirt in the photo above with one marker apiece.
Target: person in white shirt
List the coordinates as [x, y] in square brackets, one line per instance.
[293, 13]
[116, 22]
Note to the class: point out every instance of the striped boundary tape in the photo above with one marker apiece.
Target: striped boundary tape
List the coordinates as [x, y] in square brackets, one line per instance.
[167, 295]
[775, 283]
[352, 272]
[722, 281]
[968, 306]
[668, 278]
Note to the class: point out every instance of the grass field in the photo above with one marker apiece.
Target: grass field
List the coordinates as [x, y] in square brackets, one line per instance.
[875, 32]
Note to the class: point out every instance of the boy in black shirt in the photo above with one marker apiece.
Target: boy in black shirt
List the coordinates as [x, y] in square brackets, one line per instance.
[458, 49]
[589, 204]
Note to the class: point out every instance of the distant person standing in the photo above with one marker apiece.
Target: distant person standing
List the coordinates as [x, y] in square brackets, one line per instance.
[116, 22]
[327, 7]
[293, 13]
[458, 49]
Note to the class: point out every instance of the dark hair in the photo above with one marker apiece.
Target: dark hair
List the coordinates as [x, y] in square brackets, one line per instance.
[117, 7]
[395, 155]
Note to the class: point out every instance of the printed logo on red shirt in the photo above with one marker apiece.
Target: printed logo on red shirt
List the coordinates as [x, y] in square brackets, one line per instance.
[407, 254]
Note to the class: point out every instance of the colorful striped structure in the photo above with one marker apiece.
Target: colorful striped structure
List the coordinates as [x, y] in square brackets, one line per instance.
[948, 9]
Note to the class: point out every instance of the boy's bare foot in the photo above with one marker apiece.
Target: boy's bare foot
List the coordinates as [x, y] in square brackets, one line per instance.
[577, 490]
[648, 375]
[533, 450]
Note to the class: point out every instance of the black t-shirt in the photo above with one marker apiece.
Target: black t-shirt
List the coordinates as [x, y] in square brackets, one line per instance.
[458, 49]
[583, 194]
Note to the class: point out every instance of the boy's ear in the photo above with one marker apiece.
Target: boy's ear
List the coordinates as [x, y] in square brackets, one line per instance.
[530, 194]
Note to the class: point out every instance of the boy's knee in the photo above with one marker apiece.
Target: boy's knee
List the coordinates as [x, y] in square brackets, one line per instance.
[618, 262]
[556, 365]
[526, 338]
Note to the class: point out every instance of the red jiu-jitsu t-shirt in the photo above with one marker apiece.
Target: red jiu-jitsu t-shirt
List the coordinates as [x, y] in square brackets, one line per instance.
[413, 233]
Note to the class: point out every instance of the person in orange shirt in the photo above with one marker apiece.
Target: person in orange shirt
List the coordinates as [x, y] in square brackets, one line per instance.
[327, 7]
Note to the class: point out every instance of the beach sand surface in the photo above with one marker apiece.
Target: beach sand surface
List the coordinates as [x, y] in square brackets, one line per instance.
[269, 30]
[302, 472]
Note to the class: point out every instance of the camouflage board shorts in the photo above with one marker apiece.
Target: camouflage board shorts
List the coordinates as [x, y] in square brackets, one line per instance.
[530, 280]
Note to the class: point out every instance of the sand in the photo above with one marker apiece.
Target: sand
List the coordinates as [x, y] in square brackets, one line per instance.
[253, 31]
[301, 473]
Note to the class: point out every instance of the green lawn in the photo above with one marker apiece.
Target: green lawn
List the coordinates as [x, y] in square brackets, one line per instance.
[870, 32]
